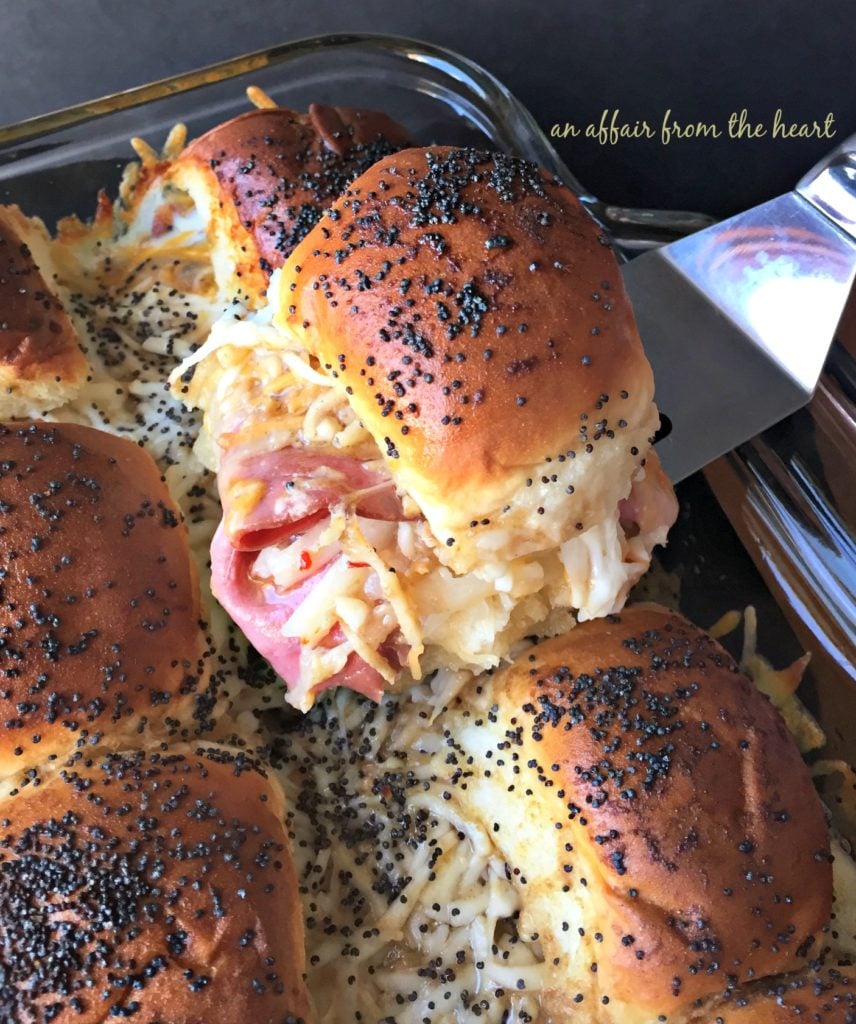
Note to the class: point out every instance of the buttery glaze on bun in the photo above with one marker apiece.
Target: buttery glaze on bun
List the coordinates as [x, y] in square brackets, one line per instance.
[664, 831]
[474, 314]
[151, 887]
[817, 997]
[100, 636]
[264, 179]
[41, 362]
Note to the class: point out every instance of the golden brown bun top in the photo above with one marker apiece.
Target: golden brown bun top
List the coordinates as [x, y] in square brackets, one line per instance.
[817, 997]
[475, 315]
[40, 359]
[99, 604]
[698, 845]
[282, 169]
[34, 324]
[157, 888]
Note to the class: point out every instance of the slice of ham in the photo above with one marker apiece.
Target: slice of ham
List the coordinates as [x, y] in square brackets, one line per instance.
[269, 496]
[651, 505]
[261, 610]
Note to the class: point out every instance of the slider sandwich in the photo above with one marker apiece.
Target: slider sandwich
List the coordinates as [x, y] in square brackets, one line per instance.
[199, 227]
[101, 638]
[261, 181]
[150, 886]
[436, 440]
[660, 825]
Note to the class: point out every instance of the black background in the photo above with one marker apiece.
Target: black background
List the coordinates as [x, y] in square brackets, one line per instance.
[567, 60]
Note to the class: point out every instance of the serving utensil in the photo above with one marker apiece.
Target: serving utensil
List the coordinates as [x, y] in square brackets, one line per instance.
[737, 319]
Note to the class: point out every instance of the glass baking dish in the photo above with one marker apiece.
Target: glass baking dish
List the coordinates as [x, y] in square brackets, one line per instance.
[439, 95]
[55, 164]
[790, 494]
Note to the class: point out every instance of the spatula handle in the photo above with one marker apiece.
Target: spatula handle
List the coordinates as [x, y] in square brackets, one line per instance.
[831, 186]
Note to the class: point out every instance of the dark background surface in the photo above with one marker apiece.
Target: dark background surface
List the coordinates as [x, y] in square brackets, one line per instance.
[567, 60]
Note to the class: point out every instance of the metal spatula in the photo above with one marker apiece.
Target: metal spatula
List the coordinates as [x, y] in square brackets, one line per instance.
[737, 319]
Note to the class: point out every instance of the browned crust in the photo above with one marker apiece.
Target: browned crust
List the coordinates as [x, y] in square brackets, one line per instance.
[176, 890]
[39, 346]
[100, 626]
[276, 171]
[816, 997]
[475, 314]
[698, 845]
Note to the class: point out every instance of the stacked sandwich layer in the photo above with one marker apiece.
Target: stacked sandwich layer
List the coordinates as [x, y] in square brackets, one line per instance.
[436, 438]
[424, 438]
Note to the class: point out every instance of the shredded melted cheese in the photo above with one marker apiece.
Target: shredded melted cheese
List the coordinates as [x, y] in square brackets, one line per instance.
[780, 685]
[411, 914]
[260, 391]
[141, 303]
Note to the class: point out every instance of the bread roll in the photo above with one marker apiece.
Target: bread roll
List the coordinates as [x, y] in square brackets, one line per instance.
[474, 315]
[815, 997]
[153, 887]
[453, 337]
[663, 829]
[100, 637]
[263, 179]
[41, 362]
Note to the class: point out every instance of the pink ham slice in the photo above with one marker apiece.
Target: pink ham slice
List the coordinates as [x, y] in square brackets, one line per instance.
[651, 504]
[261, 610]
[297, 486]
[271, 497]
